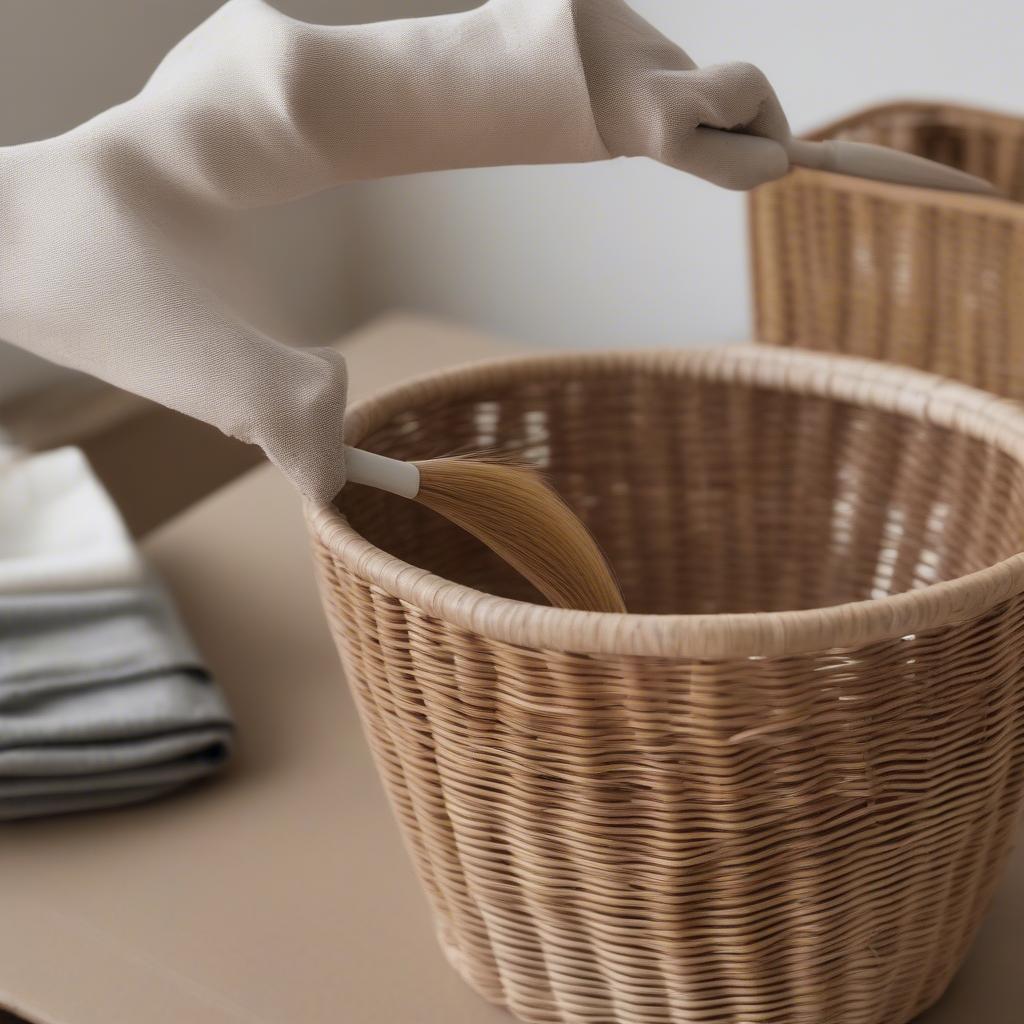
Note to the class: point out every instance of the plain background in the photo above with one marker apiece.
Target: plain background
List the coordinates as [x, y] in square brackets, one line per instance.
[620, 253]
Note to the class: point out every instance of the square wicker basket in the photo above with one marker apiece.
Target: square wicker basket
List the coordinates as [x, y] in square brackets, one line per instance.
[929, 279]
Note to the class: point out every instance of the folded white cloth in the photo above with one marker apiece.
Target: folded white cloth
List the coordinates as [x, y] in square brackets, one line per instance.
[59, 529]
[105, 231]
[103, 698]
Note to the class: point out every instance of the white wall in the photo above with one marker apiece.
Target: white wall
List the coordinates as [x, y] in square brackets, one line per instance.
[621, 253]
[630, 253]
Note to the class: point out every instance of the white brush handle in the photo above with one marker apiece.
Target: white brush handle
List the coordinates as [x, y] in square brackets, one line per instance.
[392, 475]
[863, 160]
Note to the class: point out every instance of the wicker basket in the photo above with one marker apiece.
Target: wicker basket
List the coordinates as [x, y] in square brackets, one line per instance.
[924, 278]
[783, 792]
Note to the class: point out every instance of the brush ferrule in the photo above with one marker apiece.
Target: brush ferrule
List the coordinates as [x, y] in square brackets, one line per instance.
[392, 475]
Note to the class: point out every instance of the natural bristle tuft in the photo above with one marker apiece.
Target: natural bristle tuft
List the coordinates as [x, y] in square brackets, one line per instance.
[510, 508]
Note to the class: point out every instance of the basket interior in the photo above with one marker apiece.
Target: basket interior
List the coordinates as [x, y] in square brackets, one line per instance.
[710, 497]
[988, 145]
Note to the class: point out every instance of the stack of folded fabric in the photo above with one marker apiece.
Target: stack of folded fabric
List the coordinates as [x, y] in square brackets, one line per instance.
[103, 698]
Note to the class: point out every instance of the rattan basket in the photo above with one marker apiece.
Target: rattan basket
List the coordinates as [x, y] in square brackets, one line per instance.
[780, 793]
[914, 276]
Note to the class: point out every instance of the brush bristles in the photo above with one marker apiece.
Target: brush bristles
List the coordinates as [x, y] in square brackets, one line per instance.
[511, 509]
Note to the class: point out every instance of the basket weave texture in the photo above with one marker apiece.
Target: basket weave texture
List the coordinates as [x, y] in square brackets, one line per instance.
[915, 276]
[783, 791]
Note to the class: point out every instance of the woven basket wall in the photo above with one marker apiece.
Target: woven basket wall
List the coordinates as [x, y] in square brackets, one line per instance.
[914, 276]
[782, 792]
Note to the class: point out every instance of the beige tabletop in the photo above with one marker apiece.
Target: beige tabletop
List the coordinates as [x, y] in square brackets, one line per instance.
[281, 892]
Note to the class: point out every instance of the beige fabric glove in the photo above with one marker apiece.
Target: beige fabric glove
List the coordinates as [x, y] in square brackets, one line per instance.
[104, 230]
[648, 96]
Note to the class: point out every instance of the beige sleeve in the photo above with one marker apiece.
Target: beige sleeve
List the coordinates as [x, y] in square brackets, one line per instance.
[102, 230]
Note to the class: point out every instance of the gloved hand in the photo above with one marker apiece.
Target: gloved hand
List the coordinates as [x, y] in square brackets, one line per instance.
[104, 231]
[648, 98]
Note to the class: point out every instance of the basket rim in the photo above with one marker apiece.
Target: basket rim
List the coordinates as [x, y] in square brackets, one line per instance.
[920, 396]
[911, 104]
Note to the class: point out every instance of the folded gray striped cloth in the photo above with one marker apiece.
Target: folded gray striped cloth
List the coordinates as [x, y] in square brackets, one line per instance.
[103, 698]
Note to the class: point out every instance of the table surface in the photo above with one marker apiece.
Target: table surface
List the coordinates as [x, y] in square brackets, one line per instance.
[281, 892]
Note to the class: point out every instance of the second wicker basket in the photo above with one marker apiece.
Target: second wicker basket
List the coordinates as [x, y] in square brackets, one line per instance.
[929, 279]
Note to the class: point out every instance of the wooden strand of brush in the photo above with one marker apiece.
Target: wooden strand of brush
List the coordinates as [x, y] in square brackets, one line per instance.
[512, 510]
[505, 503]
